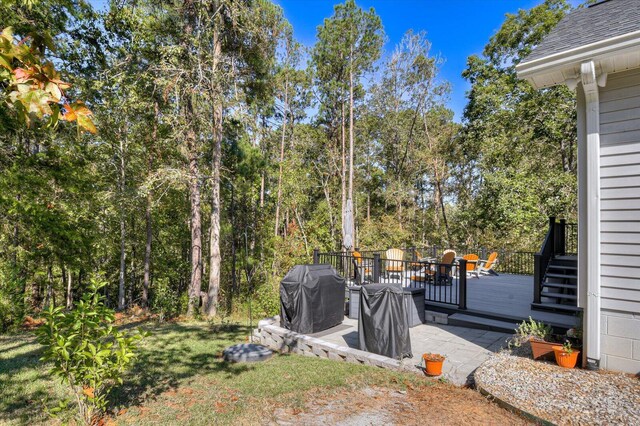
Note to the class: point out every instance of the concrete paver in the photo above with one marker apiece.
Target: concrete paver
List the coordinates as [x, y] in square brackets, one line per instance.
[465, 348]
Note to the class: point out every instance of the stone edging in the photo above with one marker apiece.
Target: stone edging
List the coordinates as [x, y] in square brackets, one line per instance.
[271, 335]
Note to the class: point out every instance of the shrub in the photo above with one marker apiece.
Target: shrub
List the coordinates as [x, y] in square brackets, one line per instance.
[530, 329]
[88, 353]
[166, 302]
[268, 299]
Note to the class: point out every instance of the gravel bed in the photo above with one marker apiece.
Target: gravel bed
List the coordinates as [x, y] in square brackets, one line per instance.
[560, 395]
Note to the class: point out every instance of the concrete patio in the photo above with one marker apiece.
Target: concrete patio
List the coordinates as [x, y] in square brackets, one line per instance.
[465, 348]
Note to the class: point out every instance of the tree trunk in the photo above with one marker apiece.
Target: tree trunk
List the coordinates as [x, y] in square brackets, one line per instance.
[284, 132]
[351, 148]
[211, 307]
[344, 173]
[195, 284]
[123, 231]
[146, 281]
[49, 294]
[69, 290]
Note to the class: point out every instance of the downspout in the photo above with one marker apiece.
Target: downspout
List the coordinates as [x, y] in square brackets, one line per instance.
[590, 281]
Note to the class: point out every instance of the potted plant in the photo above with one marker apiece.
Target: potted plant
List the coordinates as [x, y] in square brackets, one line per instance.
[433, 364]
[537, 334]
[566, 356]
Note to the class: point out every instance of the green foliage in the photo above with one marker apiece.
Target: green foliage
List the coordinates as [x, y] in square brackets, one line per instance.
[566, 347]
[12, 307]
[267, 299]
[88, 353]
[166, 302]
[518, 144]
[530, 329]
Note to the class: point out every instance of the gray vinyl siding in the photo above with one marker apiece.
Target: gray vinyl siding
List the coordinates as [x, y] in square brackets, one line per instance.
[620, 192]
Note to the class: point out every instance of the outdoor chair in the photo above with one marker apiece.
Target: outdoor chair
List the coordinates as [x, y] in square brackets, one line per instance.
[395, 263]
[445, 268]
[472, 264]
[361, 270]
[485, 267]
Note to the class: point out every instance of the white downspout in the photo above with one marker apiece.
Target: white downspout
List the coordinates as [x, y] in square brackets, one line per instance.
[592, 234]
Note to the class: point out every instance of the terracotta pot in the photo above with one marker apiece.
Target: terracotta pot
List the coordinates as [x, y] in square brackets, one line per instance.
[433, 364]
[540, 348]
[565, 359]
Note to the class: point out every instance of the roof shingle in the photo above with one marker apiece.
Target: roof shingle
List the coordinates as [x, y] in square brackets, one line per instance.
[598, 22]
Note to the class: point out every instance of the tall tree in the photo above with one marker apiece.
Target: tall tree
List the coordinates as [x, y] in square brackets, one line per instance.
[521, 142]
[349, 43]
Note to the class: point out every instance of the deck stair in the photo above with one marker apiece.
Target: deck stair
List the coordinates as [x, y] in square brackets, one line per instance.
[559, 286]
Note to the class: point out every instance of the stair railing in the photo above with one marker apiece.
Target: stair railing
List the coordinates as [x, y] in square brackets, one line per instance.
[559, 241]
[541, 260]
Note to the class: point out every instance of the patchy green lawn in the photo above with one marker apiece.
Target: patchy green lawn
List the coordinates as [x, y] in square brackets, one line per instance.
[179, 377]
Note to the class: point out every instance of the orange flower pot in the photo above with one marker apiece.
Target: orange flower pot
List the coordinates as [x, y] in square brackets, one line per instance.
[433, 364]
[565, 359]
[540, 348]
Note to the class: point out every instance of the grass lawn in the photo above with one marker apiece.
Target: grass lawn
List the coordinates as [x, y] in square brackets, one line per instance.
[180, 378]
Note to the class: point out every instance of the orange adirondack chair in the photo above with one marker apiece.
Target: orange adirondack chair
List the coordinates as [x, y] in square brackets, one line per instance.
[445, 268]
[472, 264]
[485, 267]
[361, 271]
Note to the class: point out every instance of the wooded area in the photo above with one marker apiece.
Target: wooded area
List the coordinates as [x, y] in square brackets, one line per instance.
[226, 151]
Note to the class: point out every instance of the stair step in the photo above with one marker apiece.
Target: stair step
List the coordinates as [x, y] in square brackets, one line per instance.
[560, 296]
[555, 307]
[565, 276]
[472, 321]
[557, 266]
[558, 285]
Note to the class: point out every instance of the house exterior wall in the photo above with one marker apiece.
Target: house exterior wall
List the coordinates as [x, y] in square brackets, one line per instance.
[620, 221]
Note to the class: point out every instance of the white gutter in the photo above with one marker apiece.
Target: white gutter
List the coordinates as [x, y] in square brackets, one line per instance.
[592, 278]
[610, 46]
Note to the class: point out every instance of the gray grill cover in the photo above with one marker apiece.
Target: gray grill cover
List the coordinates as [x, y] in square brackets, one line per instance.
[311, 298]
[383, 327]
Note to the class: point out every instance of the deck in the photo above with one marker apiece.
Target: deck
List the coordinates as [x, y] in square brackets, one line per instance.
[509, 295]
[506, 296]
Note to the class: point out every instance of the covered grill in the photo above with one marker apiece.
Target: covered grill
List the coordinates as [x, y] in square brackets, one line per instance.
[383, 326]
[312, 298]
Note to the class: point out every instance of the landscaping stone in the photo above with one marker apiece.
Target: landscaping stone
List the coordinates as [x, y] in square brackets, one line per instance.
[246, 352]
[560, 395]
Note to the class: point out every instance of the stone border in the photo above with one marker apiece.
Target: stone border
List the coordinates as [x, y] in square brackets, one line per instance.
[270, 334]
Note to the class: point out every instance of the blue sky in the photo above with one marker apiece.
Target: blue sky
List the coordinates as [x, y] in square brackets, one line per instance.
[456, 28]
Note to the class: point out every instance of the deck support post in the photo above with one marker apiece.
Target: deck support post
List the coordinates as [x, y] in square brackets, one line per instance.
[316, 256]
[462, 283]
[377, 266]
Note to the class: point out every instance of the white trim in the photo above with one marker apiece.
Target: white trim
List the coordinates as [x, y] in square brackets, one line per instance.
[578, 54]
[592, 278]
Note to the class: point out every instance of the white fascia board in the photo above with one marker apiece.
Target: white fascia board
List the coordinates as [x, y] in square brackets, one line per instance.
[568, 60]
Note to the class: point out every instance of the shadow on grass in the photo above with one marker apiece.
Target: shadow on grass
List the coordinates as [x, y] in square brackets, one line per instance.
[174, 353]
[23, 384]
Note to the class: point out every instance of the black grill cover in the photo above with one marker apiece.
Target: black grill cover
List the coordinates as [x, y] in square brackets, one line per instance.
[383, 326]
[311, 298]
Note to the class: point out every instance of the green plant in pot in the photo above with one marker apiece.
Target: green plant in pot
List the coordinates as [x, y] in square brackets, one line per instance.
[537, 334]
[566, 356]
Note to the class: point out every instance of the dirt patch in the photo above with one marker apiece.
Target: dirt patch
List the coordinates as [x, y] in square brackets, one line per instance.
[440, 404]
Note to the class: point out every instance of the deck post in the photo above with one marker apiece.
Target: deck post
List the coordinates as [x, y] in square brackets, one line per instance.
[377, 263]
[316, 256]
[462, 282]
[561, 237]
[537, 277]
[434, 251]
[413, 253]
